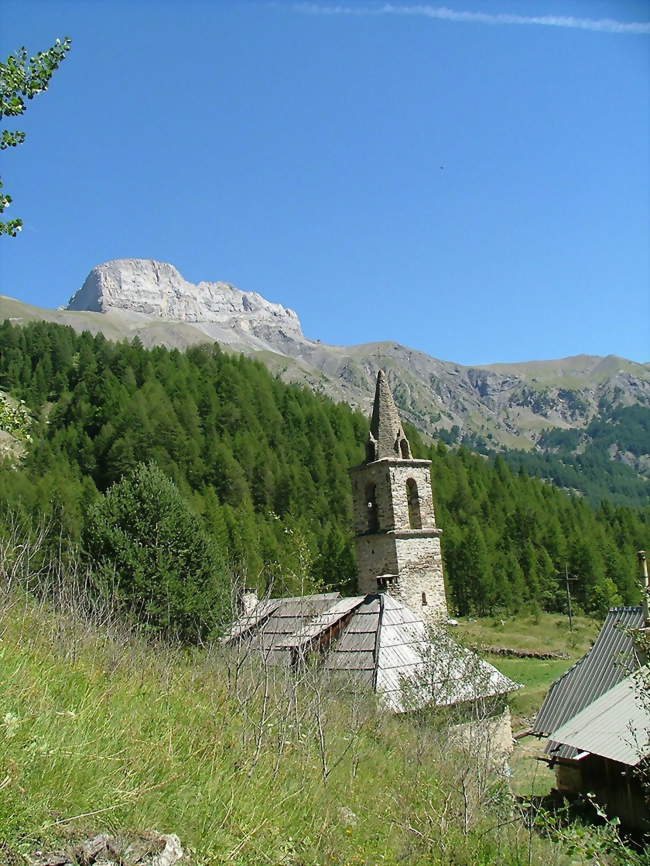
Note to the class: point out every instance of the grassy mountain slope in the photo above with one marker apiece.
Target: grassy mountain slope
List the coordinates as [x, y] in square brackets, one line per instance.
[101, 732]
[608, 459]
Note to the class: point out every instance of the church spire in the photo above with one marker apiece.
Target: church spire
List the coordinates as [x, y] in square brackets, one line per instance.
[397, 540]
[386, 437]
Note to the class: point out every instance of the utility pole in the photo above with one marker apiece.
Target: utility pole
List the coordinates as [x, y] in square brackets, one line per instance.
[567, 581]
[645, 589]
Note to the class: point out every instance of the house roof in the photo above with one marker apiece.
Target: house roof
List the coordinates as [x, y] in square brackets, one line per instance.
[378, 641]
[616, 726]
[610, 660]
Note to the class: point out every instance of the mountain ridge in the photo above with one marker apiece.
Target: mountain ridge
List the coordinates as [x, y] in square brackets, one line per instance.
[508, 405]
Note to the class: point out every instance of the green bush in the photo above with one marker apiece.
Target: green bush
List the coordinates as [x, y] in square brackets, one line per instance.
[144, 543]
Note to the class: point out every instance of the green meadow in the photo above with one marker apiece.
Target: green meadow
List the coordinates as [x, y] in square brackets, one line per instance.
[101, 730]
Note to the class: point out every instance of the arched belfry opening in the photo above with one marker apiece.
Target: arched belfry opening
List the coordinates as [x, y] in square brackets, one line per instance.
[404, 447]
[413, 499]
[371, 502]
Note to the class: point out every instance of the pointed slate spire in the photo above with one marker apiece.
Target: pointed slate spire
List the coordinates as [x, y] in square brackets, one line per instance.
[386, 437]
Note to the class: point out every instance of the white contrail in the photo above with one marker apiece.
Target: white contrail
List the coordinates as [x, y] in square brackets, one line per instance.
[443, 13]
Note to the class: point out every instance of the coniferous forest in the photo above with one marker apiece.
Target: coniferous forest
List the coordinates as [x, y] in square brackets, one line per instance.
[255, 471]
[580, 461]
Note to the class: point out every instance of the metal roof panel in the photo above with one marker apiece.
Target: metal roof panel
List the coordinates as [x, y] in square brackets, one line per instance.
[355, 642]
[320, 623]
[350, 661]
[616, 726]
[608, 662]
[383, 640]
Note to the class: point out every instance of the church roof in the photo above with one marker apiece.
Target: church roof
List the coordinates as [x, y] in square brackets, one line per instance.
[272, 621]
[376, 640]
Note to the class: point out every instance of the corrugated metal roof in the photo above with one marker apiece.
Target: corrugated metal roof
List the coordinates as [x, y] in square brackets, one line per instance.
[616, 726]
[382, 643]
[610, 660]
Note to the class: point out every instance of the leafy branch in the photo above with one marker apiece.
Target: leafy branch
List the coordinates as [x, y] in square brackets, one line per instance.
[22, 78]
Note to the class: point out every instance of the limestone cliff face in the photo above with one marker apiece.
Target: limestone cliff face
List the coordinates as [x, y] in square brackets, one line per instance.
[158, 289]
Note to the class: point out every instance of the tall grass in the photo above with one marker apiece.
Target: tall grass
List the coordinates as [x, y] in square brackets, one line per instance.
[101, 730]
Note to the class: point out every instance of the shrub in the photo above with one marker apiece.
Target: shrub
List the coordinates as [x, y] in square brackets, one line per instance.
[145, 543]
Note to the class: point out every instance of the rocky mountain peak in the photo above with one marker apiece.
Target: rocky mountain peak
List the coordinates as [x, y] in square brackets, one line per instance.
[158, 289]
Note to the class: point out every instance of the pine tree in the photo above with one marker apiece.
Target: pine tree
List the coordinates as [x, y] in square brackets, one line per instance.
[141, 538]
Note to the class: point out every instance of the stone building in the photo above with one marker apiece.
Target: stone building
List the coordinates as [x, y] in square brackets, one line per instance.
[397, 540]
[389, 637]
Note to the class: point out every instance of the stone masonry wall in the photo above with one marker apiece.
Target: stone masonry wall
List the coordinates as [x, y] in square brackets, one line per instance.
[395, 548]
[417, 560]
[487, 741]
[376, 554]
[421, 583]
[390, 478]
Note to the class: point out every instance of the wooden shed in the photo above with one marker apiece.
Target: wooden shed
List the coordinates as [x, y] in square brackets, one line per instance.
[610, 744]
[590, 716]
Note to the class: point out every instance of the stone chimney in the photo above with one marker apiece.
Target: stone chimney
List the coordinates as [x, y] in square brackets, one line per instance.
[249, 602]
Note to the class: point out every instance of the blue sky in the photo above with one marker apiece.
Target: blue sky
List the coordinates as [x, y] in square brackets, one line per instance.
[472, 185]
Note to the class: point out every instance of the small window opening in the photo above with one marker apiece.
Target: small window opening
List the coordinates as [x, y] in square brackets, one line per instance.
[424, 599]
[413, 499]
[371, 503]
[405, 449]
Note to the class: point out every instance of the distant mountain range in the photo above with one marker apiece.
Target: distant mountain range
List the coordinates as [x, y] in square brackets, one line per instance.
[492, 407]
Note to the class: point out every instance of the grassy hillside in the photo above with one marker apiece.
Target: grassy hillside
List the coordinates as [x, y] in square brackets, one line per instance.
[577, 370]
[541, 632]
[100, 732]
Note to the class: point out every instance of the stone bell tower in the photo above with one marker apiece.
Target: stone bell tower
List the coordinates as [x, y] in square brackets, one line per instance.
[397, 541]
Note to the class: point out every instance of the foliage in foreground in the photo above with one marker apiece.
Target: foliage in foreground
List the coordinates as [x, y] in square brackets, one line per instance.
[538, 631]
[100, 730]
